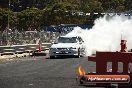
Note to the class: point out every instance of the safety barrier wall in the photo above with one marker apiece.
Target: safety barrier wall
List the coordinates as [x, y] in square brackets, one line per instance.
[14, 49]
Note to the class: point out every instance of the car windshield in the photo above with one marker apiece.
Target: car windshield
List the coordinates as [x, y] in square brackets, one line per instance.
[67, 40]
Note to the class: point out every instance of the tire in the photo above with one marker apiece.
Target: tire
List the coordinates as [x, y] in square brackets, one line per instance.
[78, 53]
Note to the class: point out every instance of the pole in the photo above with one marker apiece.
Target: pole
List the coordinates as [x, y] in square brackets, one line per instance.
[8, 25]
[40, 43]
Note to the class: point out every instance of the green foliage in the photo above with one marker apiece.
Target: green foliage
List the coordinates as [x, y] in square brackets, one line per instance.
[35, 14]
[29, 19]
[6, 14]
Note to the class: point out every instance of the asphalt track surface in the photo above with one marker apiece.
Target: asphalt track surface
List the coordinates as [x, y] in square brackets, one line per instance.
[41, 72]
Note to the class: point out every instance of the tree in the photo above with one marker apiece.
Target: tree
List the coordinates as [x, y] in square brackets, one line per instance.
[128, 4]
[29, 19]
[35, 14]
[6, 14]
[113, 5]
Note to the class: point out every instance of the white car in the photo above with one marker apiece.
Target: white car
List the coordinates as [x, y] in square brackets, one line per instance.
[67, 46]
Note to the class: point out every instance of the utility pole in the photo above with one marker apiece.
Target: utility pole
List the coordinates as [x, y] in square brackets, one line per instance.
[8, 25]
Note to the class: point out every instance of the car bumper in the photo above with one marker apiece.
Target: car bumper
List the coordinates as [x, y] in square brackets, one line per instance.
[63, 53]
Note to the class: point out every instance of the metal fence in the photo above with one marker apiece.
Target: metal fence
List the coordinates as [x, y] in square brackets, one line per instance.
[15, 37]
[26, 37]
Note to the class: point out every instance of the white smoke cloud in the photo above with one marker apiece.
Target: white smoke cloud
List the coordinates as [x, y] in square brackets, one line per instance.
[106, 34]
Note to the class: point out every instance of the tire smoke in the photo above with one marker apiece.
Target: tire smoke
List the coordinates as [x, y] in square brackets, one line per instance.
[106, 34]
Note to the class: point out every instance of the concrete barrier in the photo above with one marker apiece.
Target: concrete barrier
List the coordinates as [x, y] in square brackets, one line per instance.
[20, 49]
[7, 57]
[7, 50]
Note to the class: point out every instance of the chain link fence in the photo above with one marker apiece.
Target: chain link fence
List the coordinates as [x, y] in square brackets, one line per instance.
[48, 35]
[26, 37]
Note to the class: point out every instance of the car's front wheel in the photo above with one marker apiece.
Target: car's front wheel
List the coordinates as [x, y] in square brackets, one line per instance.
[78, 53]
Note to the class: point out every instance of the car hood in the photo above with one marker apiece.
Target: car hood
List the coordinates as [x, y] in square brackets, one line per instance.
[65, 45]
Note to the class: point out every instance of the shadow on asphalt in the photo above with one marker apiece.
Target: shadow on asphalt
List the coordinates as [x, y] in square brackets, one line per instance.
[62, 57]
[95, 86]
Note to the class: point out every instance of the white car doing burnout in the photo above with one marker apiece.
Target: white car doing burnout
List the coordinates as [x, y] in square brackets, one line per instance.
[67, 46]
